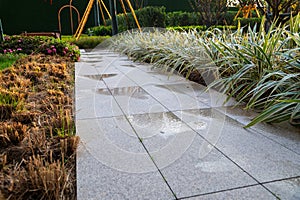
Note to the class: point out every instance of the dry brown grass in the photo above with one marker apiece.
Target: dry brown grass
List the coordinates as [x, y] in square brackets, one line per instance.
[37, 142]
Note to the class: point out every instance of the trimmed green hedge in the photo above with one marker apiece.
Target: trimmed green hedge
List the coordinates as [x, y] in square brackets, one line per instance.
[180, 18]
[199, 28]
[86, 42]
[147, 16]
[248, 21]
[181, 21]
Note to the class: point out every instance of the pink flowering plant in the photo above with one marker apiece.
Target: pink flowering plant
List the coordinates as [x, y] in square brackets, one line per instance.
[38, 44]
[62, 48]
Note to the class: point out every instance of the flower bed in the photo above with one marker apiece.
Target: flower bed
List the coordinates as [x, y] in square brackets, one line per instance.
[39, 44]
[37, 130]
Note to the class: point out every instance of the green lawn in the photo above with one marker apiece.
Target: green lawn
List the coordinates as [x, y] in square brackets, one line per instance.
[7, 60]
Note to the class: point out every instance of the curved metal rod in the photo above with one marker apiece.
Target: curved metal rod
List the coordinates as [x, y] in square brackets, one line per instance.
[59, 12]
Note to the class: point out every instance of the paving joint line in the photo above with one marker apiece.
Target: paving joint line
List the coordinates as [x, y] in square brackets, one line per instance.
[168, 185]
[259, 183]
[260, 132]
[282, 179]
[197, 134]
[219, 191]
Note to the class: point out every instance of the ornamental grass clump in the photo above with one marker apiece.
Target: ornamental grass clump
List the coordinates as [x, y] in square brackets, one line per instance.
[180, 51]
[263, 70]
[259, 68]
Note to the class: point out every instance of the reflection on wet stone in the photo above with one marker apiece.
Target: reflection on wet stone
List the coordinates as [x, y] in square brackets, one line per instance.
[103, 91]
[90, 61]
[133, 92]
[99, 76]
[128, 65]
[163, 124]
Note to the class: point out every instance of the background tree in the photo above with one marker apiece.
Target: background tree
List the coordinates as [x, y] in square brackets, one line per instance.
[211, 12]
[282, 9]
[137, 4]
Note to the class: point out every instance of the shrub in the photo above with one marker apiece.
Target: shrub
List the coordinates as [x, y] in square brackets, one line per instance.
[100, 30]
[229, 17]
[31, 45]
[85, 42]
[152, 16]
[199, 28]
[248, 21]
[147, 16]
[180, 18]
[187, 28]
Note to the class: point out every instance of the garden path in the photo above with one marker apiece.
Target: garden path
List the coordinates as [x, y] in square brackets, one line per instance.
[146, 134]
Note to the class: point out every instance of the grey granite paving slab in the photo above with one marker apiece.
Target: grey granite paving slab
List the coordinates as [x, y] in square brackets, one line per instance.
[239, 114]
[88, 60]
[146, 67]
[210, 97]
[179, 153]
[282, 133]
[142, 78]
[97, 181]
[126, 68]
[112, 163]
[92, 104]
[119, 81]
[83, 68]
[109, 131]
[168, 77]
[158, 75]
[248, 193]
[172, 99]
[91, 56]
[193, 173]
[286, 189]
[135, 100]
[97, 138]
[259, 156]
[164, 134]
[102, 69]
[86, 83]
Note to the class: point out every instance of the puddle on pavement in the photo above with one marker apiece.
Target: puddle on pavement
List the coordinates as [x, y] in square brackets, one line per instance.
[131, 92]
[175, 88]
[112, 56]
[93, 56]
[128, 65]
[163, 124]
[90, 61]
[99, 77]
[124, 59]
[103, 91]
[182, 88]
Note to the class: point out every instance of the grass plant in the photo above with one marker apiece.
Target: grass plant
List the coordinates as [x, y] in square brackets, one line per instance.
[7, 60]
[259, 68]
